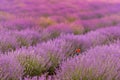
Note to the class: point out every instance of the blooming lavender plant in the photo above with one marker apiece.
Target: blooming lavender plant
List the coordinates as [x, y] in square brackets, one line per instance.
[6, 42]
[33, 64]
[10, 69]
[54, 52]
[27, 37]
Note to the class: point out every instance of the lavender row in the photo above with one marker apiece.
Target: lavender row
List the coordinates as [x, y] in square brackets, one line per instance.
[107, 21]
[12, 40]
[102, 62]
[93, 38]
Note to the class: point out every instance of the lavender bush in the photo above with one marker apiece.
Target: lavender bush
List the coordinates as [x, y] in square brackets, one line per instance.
[10, 68]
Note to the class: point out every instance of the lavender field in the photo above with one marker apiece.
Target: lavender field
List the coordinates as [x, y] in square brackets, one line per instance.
[59, 40]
